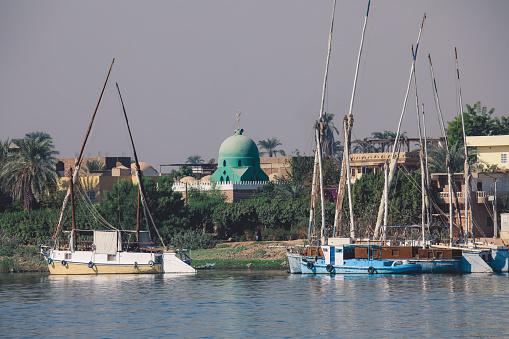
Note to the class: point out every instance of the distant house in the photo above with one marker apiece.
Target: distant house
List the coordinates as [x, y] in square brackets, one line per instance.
[96, 183]
[491, 149]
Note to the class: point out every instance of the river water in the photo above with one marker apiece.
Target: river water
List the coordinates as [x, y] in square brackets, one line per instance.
[239, 304]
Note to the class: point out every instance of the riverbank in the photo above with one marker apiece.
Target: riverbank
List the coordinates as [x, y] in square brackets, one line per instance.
[247, 254]
[227, 255]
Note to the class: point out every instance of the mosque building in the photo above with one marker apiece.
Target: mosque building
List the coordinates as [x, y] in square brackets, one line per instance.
[238, 172]
[239, 161]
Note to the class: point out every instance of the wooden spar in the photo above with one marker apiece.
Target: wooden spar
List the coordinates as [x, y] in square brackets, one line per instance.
[73, 215]
[139, 174]
[467, 167]
[318, 171]
[79, 159]
[421, 155]
[346, 154]
[429, 207]
[348, 132]
[322, 197]
[450, 179]
[395, 155]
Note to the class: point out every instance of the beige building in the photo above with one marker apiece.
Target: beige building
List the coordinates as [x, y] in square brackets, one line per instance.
[95, 183]
[491, 149]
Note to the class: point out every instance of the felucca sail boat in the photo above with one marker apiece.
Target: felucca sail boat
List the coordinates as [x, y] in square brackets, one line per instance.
[341, 256]
[109, 252]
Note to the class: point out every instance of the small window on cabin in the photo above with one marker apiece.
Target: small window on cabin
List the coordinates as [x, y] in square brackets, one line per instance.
[68, 256]
[112, 257]
[325, 249]
[395, 253]
[338, 250]
[240, 163]
[439, 255]
[224, 163]
[430, 255]
[503, 159]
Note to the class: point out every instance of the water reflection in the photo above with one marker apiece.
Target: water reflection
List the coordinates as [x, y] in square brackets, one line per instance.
[254, 303]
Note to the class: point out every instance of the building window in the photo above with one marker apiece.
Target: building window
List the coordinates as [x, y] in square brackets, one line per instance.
[240, 163]
[91, 195]
[479, 185]
[503, 159]
[224, 163]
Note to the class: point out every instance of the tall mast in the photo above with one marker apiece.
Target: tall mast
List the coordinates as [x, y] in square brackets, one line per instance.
[428, 204]
[318, 171]
[421, 156]
[394, 156]
[139, 174]
[348, 180]
[79, 159]
[467, 167]
[348, 133]
[450, 179]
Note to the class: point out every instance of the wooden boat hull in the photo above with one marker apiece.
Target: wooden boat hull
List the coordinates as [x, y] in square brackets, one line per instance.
[56, 267]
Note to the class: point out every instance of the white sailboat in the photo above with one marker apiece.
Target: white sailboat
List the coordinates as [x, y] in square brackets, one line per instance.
[93, 252]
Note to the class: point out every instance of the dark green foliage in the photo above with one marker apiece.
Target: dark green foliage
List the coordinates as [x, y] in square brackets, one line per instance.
[201, 206]
[404, 201]
[478, 122]
[192, 240]
[29, 173]
[236, 217]
[120, 205]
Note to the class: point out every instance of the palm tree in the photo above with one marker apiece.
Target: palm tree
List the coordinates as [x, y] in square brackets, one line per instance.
[95, 165]
[270, 145]
[194, 160]
[29, 172]
[437, 158]
[327, 130]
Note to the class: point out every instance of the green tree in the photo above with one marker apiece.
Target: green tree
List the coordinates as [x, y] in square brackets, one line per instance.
[270, 146]
[39, 134]
[30, 172]
[478, 122]
[326, 134]
[437, 156]
[201, 206]
[95, 165]
[194, 160]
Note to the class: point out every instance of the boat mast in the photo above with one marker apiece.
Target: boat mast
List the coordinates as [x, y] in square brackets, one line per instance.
[394, 156]
[346, 154]
[318, 171]
[348, 132]
[467, 167]
[428, 204]
[421, 155]
[450, 179]
[79, 159]
[139, 174]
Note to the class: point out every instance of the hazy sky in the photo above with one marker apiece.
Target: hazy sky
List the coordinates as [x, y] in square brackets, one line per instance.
[186, 67]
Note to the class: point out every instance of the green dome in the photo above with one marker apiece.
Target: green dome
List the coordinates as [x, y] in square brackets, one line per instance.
[238, 146]
[239, 160]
